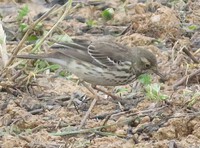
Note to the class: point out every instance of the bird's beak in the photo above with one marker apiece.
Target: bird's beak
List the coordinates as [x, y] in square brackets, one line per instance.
[162, 77]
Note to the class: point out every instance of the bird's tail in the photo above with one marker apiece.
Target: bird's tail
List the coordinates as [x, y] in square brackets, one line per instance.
[32, 56]
[54, 57]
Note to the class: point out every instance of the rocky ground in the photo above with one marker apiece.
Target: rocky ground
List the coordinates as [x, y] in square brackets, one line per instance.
[42, 106]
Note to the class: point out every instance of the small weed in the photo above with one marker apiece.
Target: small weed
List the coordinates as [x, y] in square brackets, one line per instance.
[145, 79]
[152, 90]
[194, 97]
[22, 13]
[107, 14]
[24, 26]
[91, 23]
[42, 65]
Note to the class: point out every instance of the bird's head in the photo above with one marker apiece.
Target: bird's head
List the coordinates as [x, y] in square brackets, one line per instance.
[148, 62]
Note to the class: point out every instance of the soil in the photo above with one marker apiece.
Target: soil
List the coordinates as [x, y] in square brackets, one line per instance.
[42, 107]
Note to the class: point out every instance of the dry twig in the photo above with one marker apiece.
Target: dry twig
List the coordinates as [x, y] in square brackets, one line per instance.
[186, 78]
[189, 54]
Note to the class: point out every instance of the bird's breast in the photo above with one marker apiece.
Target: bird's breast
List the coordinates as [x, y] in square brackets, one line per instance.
[114, 76]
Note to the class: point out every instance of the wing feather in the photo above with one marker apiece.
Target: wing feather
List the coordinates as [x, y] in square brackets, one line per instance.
[99, 53]
[102, 53]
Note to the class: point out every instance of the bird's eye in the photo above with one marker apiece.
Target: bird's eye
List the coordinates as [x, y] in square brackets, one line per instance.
[147, 65]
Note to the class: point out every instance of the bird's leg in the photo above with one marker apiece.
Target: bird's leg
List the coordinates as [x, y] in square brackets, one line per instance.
[105, 92]
[96, 97]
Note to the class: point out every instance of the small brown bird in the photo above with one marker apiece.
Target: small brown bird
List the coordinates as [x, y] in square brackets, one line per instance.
[103, 63]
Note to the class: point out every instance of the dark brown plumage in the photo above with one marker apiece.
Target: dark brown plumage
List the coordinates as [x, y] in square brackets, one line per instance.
[103, 63]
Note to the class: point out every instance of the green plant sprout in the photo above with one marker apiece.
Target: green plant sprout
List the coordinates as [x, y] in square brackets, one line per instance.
[22, 13]
[152, 91]
[107, 14]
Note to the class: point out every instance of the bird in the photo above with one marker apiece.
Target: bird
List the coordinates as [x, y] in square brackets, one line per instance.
[101, 62]
[105, 63]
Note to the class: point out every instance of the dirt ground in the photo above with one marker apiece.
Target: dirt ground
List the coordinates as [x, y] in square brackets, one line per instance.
[42, 108]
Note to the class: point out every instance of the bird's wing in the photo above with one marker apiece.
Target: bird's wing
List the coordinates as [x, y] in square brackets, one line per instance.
[76, 51]
[99, 53]
[108, 53]
[72, 50]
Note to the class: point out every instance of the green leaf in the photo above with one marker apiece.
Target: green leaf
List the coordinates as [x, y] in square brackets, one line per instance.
[32, 38]
[41, 64]
[54, 67]
[23, 27]
[23, 12]
[91, 23]
[193, 27]
[145, 79]
[163, 97]
[153, 92]
[195, 99]
[108, 14]
[156, 87]
[69, 76]
[39, 26]
[63, 73]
